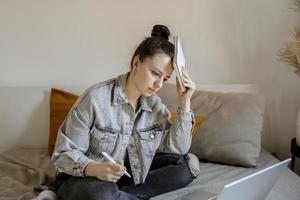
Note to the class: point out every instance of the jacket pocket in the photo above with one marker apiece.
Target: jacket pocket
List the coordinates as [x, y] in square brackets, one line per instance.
[150, 139]
[103, 139]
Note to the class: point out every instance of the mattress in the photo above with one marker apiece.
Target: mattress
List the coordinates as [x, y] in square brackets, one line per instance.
[24, 173]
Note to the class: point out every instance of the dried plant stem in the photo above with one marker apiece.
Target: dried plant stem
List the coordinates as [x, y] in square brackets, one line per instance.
[295, 5]
[291, 53]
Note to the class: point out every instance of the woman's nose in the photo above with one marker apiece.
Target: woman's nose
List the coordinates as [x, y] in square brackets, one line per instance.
[158, 83]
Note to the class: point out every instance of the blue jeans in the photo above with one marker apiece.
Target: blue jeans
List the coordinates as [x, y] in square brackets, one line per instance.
[168, 172]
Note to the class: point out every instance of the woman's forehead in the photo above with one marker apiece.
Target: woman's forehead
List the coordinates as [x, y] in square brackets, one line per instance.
[161, 62]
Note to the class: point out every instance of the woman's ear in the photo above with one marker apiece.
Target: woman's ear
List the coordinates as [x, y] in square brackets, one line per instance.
[135, 64]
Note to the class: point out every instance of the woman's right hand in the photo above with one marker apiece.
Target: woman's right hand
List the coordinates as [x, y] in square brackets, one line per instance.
[106, 171]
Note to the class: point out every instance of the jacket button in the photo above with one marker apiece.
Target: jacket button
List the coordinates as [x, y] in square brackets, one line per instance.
[152, 136]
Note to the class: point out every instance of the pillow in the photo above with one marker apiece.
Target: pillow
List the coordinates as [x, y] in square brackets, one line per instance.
[198, 121]
[231, 131]
[60, 105]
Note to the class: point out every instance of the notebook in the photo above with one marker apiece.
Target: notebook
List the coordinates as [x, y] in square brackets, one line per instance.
[179, 61]
[255, 186]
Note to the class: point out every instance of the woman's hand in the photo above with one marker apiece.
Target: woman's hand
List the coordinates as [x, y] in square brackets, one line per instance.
[185, 97]
[106, 171]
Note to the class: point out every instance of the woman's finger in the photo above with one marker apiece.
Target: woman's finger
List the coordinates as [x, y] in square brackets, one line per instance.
[187, 81]
[120, 162]
[189, 85]
[116, 167]
[114, 178]
[118, 173]
[186, 75]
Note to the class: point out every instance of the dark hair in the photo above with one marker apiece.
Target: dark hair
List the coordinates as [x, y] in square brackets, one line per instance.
[157, 43]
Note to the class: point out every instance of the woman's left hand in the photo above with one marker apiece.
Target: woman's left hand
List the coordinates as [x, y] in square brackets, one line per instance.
[185, 96]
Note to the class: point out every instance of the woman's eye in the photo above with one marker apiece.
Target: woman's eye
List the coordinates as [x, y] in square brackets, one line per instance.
[155, 73]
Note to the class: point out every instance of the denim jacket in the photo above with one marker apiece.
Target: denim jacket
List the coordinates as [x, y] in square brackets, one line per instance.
[102, 119]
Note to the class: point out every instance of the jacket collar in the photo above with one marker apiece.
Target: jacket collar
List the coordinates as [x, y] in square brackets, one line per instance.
[120, 97]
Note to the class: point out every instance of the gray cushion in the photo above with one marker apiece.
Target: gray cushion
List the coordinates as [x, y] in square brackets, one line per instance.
[231, 132]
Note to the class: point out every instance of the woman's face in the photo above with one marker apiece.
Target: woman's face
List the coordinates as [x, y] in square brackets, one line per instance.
[150, 74]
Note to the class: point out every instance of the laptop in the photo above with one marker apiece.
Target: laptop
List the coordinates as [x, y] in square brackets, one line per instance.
[255, 186]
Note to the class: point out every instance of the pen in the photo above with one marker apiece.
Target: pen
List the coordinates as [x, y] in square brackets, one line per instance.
[108, 157]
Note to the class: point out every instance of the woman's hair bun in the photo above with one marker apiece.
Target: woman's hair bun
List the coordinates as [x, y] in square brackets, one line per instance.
[160, 31]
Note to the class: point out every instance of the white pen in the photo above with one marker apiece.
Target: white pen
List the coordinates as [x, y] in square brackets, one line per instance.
[108, 157]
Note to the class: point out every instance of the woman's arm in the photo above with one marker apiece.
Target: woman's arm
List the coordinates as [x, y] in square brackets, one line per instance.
[71, 144]
[178, 136]
[73, 138]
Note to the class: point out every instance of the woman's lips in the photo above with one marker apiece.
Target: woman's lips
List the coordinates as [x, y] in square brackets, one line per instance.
[152, 91]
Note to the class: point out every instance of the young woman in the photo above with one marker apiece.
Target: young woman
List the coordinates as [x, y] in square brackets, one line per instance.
[126, 119]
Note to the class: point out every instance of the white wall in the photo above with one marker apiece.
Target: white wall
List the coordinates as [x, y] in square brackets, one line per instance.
[48, 43]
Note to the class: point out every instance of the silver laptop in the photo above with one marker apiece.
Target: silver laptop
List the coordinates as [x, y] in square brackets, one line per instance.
[255, 186]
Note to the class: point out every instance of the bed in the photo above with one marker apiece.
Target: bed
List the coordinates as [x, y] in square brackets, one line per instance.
[27, 173]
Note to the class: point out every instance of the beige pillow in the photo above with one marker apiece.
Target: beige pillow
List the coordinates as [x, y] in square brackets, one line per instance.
[231, 131]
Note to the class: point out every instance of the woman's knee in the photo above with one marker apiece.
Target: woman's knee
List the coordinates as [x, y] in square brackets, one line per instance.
[190, 168]
[105, 191]
[180, 172]
[193, 164]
